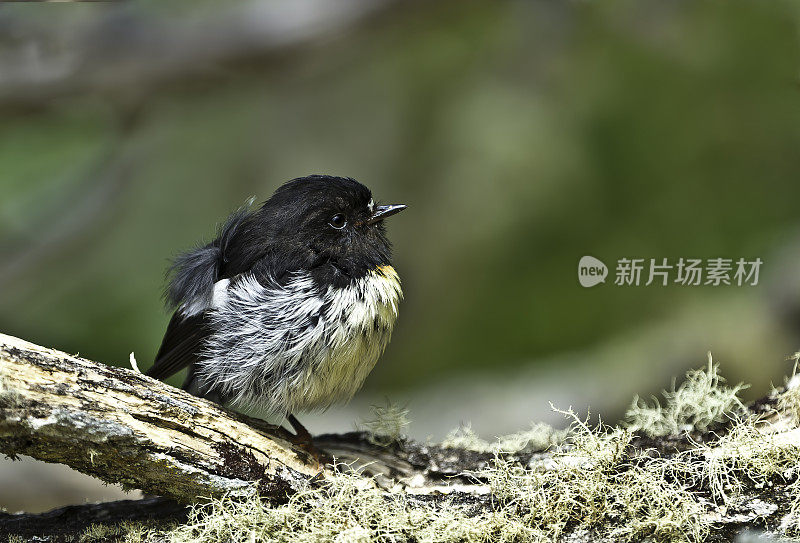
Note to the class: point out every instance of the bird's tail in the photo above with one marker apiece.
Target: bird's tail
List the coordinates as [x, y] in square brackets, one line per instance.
[192, 274]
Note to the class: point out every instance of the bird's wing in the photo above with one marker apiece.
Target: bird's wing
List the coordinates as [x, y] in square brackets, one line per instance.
[193, 276]
[181, 345]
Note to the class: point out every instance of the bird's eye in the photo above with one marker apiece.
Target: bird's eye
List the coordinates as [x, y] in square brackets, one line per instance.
[338, 221]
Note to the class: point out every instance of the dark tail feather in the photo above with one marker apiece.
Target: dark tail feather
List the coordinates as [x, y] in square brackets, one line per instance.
[193, 273]
[232, 224]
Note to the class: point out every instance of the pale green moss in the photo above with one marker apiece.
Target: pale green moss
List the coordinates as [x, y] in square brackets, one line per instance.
[100, 532]
[129, 532]
[387, 425]
[697, 404]
[791, 522]
[593, 481]
[593, 485]
[348, 509]
[789, 404]
[138, 532]
[789, 397]
[540, 437]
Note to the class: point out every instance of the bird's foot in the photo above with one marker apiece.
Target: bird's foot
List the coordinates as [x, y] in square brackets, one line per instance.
[303, 440]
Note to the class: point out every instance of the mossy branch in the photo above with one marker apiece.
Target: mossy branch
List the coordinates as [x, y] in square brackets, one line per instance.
[126, 428]
[699, 466]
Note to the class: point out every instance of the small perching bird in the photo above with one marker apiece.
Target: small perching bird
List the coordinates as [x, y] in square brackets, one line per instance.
[291, 306]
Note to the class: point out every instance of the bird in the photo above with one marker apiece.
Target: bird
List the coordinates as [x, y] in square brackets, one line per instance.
[290, 307]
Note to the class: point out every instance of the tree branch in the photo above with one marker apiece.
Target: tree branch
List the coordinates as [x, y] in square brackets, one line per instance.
[74, 519]
[126, 428]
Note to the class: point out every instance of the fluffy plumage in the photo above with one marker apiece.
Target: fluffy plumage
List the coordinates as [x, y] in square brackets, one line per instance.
[297, 346]
[286, 309]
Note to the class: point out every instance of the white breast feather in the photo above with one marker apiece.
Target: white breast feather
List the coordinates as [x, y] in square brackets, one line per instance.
[294, 347]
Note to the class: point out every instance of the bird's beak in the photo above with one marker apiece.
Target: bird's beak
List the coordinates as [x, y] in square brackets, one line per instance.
[381, 212]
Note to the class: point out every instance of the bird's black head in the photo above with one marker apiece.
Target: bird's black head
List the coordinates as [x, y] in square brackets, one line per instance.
[327, 225]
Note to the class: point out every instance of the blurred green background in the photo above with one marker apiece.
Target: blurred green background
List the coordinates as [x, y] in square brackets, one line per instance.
[523, 136]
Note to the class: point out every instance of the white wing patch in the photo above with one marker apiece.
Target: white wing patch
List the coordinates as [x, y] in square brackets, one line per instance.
[220, 295]
[213, 298]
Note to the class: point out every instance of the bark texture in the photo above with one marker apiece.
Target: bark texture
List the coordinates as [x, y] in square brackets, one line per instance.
[126, 428]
